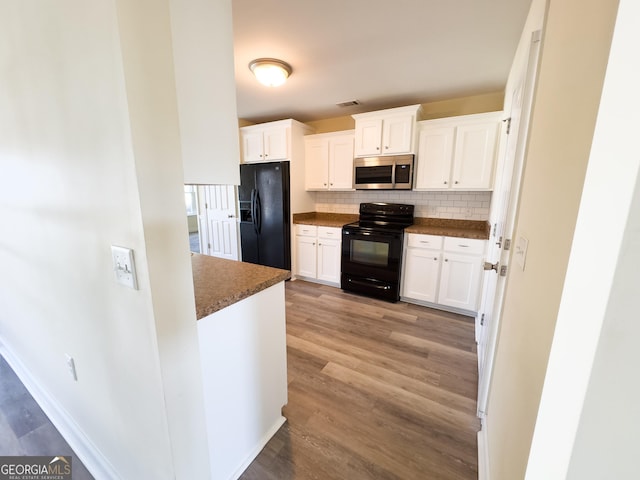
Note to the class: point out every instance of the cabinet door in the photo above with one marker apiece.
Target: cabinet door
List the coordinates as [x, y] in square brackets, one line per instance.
[460, 281]
[368, 137]
[252, 147]
[435, 156]
[275, 144]
[421, 274]
[474, 158]
[306, 256]
[397, 133]
[316, 160]
[329, 260]
[341, 163]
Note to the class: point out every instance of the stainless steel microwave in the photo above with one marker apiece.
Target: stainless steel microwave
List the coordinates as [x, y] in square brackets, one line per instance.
[394, 172]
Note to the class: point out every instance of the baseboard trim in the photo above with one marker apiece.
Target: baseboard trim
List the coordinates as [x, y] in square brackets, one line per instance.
[483, 454]
[81, 444]
[261, 444]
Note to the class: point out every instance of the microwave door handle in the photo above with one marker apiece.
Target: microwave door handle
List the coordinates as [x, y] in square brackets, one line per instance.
[393, 174]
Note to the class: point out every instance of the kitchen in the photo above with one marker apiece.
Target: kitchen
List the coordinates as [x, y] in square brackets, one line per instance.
[290, 238]
[125, 389]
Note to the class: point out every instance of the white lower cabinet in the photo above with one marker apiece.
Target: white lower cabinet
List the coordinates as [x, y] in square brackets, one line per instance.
[318, 252]
[443, 271]
[423, 258]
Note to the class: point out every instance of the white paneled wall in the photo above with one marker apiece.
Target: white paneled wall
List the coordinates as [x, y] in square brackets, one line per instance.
[459, 205]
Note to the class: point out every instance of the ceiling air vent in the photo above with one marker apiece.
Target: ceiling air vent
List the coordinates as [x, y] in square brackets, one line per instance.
[348, 103]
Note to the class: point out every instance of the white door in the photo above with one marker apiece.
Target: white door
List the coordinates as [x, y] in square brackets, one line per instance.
[397, 132]
[435, 155]
[503, 211]
[459, 281]
[474, 155]
[422, 274]
[341, 163]
[252, 147]
[221, 222]
[275, 144]
[306, 252]
[316, 163]
[329, 260]
[368, 137]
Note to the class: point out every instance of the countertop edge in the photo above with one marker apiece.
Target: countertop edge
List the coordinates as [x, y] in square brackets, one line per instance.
[219, 283]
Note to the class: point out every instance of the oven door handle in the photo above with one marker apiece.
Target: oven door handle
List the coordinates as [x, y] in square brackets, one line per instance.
[370, 285]
[371, 236]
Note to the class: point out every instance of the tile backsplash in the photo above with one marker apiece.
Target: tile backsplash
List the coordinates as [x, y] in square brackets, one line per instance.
[458, 205]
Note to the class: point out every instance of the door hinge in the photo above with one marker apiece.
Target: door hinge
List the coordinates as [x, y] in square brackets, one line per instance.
[482, 320]
[503, 271]
[507, 243]
[508, 121]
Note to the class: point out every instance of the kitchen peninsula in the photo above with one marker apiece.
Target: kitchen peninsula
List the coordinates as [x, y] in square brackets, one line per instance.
[240, 309]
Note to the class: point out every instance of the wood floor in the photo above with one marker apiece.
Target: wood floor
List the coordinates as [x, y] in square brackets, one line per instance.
[376, 391]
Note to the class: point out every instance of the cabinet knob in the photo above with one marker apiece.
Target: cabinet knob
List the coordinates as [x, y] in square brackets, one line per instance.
[386, 147]
[456, 182]
[377, 148]
[446, 259]
[445, 182]
[435, 258]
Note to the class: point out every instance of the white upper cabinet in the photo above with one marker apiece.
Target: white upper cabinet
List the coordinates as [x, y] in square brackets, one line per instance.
[457, 153]
[386, 132]
[269, 142]
[435, 157]
[329, 161]
[474, 155]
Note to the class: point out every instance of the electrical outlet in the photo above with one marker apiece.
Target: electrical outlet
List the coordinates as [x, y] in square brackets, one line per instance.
[124, 266]
[71, 366]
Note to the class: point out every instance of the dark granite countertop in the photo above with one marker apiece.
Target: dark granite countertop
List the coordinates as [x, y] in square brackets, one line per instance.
[324, 219]
[432, 226]
[219, 283]
[450, 227]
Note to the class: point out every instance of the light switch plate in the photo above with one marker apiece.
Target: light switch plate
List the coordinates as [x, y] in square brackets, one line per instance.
[520, 252]
[124, 266]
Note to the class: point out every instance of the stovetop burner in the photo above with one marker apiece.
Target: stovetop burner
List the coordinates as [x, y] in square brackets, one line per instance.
[387, 216]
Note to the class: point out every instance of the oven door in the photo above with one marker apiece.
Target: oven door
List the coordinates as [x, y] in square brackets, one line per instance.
[371, 262]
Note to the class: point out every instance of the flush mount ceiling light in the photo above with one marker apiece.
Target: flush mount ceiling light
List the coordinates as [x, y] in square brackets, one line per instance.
[270, 71]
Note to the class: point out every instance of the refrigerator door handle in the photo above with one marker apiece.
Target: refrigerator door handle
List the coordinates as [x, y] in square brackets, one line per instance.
[258, 212]
[253, 210]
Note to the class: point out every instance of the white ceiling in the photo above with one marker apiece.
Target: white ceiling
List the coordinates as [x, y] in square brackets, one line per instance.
[384, 53]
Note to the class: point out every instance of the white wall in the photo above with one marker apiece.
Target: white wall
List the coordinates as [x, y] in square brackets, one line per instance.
[90, 158]
[203, 53]
[575, 48]
[588, 419]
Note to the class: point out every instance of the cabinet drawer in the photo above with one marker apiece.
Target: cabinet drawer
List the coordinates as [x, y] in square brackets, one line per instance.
[470, 246]
[329, 232]
[420, 240]
[306, 230]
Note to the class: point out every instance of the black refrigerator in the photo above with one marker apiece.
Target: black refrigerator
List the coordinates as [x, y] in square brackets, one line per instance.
[265, 232]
